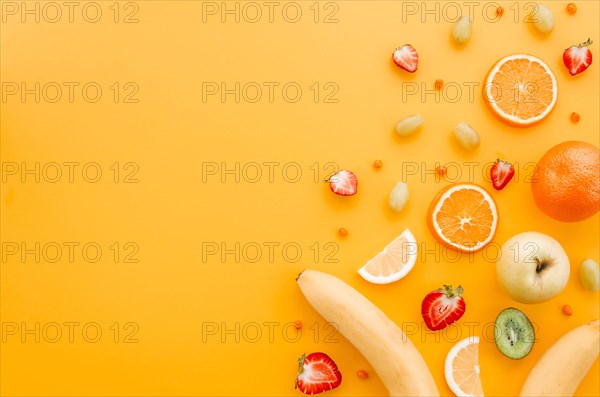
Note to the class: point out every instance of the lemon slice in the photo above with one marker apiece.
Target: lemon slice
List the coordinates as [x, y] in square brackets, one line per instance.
[462, 368]
[394, 262]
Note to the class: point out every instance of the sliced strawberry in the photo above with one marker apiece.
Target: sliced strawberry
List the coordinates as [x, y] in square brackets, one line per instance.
[317, 373]
[501, 173]
[442, 307]
[406, 57]
[578, 58]
[343, 183]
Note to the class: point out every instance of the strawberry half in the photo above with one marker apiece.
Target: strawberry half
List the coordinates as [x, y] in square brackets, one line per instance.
[317, 373]
[343, 183]
[406, 57]
[442, 307]
[501, 173]
[578, 58]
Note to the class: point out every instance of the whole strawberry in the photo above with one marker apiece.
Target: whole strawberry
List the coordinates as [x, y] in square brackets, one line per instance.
[442, 307]
[578, 58]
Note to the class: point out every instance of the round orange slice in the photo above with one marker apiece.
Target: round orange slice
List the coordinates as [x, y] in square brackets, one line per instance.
[394, 262]
[462, 368]
[520, 90]
[463, 217]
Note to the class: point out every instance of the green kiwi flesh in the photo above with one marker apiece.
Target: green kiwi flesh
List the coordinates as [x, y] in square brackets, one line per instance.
[513, 333]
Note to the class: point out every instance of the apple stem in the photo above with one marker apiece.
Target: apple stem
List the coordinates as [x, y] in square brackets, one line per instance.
[540, 266]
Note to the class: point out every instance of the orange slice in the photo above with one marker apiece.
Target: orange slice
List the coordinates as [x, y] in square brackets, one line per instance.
[394, 262]
[462, 368]
[520, 90]
[463, 217]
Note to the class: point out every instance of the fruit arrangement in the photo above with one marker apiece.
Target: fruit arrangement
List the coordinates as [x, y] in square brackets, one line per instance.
[464, 217]
[396, 360]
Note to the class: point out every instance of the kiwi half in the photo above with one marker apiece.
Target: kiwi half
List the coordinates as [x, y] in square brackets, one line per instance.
[513, 333]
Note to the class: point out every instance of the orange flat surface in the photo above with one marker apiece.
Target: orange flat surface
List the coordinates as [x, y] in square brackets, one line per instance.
[160, 197]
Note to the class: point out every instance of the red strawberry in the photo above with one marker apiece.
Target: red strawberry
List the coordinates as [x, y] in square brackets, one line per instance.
[578, 58]
[442, 307]
[501, 173]
[343, 183]
[317, 373]
[406, 57]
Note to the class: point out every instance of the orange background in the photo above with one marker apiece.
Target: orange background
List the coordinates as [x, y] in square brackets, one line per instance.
[177, 209]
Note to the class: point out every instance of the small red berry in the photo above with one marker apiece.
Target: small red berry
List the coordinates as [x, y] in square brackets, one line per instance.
[499, 12]
[377, 163]
[343, 232]
[575, 117]
[439, 83]
[571, 8]
[440, 170]
[361, 373]
[567, 310]
[298, 325]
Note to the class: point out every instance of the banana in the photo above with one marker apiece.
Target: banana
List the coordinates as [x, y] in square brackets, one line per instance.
[396, 360]
[562, 367]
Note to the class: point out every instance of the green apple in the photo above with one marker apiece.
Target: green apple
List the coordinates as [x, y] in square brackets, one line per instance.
[532, 267]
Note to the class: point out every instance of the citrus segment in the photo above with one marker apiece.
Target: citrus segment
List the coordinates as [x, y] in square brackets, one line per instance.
[462, 368]
[463, 217]
[394, 262]
[520, 90]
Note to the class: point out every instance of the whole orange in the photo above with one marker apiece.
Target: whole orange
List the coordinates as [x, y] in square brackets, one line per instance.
[566, 184]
